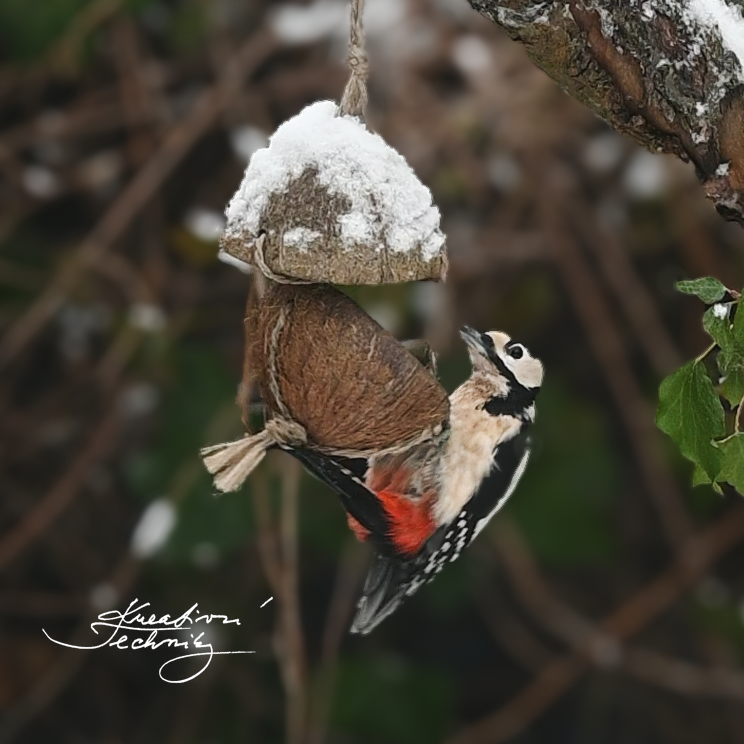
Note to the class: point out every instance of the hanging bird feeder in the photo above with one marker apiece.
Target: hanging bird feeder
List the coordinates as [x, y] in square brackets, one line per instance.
[329, 201]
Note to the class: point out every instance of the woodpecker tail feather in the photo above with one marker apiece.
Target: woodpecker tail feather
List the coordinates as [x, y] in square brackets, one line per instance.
[231, 463]
[384, 590]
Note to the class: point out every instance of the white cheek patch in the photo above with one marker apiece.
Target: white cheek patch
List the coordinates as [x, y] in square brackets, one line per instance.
[512, 364]
[527, 370]
[518, 473]
[225, 257]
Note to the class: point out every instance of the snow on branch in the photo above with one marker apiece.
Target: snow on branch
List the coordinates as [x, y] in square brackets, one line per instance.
[668, 73]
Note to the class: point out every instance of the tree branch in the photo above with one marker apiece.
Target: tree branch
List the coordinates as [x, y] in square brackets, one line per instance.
[665, 72]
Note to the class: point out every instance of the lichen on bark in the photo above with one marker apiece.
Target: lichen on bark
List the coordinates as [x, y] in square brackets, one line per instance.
[668, 73]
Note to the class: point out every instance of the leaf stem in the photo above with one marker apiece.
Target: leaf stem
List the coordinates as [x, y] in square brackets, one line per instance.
[705, 353]
[737, 416]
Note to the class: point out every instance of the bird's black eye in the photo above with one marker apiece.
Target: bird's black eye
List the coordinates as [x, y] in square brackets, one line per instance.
[515, 352]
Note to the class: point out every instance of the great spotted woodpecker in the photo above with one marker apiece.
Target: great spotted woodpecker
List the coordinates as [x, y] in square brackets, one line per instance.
[422, 507]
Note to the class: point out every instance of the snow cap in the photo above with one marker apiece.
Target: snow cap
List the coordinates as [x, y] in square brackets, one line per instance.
[336, 204]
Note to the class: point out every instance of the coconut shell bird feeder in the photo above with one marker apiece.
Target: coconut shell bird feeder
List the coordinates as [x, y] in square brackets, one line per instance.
[329, 202]
[333, 380]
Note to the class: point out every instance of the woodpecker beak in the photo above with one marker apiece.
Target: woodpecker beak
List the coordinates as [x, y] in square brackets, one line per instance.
[473, 339]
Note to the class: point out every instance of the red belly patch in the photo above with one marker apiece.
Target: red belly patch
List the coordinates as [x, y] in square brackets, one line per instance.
[411, 524]
[361, 532]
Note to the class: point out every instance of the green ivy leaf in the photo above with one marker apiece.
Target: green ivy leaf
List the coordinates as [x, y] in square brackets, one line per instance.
[708, 289]
[700, 477]
[691, 413]
[730, 338]
[717, 324]
[737, 328]
[739, 322]
[732, 387]
[732, 467]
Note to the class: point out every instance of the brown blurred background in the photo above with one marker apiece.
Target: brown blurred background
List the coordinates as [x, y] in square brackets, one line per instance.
[605, 606]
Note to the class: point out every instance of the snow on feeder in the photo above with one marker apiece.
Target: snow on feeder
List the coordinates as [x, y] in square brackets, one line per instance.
[329, 201]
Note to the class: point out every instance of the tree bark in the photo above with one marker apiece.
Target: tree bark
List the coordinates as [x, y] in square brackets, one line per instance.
[668, 73]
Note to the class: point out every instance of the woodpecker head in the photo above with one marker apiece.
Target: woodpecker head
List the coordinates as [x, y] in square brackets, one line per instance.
[494, 353]
[509, 376]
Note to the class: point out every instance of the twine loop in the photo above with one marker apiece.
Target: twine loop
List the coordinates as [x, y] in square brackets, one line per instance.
[258, 257]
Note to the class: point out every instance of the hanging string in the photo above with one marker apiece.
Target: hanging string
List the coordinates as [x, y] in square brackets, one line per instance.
[354, 101]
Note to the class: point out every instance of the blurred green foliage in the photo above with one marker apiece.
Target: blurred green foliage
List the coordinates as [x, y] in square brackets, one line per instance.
[198, 387]
[199, 395]
[445, 597]
[551, 502]
[323, 526]
[385, 698]
[187, 25]
[723, 621]
[27, 33]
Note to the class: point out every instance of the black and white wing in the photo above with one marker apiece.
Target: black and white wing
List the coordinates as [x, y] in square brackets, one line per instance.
[345, 476]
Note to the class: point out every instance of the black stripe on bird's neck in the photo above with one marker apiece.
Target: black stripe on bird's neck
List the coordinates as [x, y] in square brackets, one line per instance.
[497, 361]
[514, 403]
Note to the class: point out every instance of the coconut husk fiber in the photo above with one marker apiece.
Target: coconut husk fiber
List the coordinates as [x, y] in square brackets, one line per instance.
[323, 363]
[324, 257]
